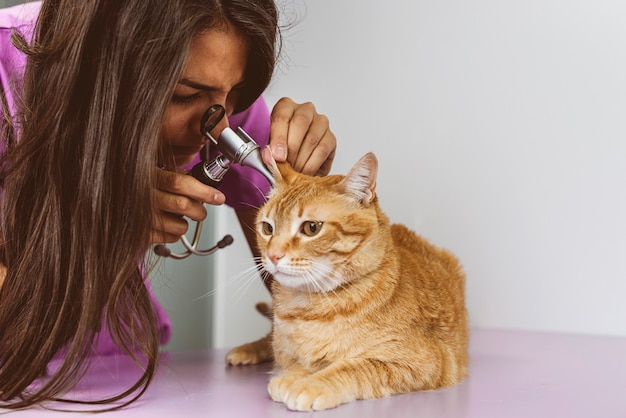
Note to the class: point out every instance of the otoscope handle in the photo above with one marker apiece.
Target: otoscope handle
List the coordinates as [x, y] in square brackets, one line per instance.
[236, 147]
[210, 172]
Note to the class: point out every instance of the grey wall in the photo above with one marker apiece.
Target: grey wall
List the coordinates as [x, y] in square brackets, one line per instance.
[7, 3]
[184, 289]
[500, 130]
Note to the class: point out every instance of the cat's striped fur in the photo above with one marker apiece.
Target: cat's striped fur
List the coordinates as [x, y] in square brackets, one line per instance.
[361, 308]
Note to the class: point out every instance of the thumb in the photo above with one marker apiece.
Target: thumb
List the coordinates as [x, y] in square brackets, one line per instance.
[278, 151]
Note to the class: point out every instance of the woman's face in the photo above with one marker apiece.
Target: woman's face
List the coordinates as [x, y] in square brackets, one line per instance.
[213, 74]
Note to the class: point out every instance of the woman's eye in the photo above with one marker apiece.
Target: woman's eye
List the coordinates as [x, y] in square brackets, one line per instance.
[183, 99]
[267, 228]
[311, 228]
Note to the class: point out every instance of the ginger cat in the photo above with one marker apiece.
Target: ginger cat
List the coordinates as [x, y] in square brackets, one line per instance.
[361, 308]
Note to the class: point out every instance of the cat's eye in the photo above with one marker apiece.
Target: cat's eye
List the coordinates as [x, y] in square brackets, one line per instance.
[311, 228]
[266, 228]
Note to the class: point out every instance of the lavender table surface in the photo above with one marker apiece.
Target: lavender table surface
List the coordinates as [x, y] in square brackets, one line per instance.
[512, 374]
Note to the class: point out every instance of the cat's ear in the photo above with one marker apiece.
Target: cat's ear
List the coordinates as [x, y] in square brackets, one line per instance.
[285, 172]
[360, 182]
[280, 171]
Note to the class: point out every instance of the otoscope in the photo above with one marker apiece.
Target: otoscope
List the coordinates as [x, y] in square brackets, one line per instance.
[235, 147]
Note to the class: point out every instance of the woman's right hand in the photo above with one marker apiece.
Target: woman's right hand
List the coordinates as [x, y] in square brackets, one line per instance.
[178, 195]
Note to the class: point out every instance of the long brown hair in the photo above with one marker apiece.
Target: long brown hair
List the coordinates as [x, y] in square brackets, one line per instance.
[78, 186]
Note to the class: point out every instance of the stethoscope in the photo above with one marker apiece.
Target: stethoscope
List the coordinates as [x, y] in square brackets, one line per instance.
[235, 147]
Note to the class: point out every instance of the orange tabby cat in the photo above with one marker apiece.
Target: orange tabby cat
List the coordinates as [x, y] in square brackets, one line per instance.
[362, 309]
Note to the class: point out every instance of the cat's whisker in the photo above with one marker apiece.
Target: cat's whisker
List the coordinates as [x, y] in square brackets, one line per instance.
[256, 186]
[319, 274]
[258, 189]
[249, 274]
[245, 285]
[312, 282]
[255, 273]
[249, 205]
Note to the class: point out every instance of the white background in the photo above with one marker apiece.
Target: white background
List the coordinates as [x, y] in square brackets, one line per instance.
[500, 128]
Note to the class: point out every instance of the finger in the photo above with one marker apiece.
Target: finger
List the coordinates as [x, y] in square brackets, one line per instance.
[168, 228]
[161, 237]
[321, 160]
[269, 160]
[185, 185]
[326, 166]
[305, 134]
[267, 156]
[180, 205]
[302, 129]
[317, 143]
[279, 128]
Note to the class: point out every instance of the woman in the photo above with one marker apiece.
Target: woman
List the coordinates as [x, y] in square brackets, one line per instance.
[113, 91]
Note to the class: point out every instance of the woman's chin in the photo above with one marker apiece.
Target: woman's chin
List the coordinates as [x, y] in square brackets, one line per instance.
[183, 161]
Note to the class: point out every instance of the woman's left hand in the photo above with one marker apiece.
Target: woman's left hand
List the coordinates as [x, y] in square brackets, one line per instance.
[301, 136]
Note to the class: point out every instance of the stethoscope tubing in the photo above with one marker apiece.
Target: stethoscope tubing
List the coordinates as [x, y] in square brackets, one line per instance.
[192, 247]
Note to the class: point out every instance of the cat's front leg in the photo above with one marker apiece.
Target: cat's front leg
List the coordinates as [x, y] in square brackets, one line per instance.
[341, 382]
[307, 393]
[280, 385]
[252, 353]
[300, 390]
[302, 394]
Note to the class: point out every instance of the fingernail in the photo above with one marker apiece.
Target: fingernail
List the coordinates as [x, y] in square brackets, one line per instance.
[279, 152]
[219, 198]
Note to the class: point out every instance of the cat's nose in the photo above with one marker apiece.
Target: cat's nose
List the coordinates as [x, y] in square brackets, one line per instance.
[276, 256]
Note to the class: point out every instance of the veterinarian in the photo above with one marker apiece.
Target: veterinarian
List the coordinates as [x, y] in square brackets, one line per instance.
[100, 124]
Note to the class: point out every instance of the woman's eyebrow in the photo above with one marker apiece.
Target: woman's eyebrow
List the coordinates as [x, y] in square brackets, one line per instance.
[198, 86]
[193, 84]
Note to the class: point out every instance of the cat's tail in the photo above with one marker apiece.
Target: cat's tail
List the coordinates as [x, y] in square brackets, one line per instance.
[265, 309]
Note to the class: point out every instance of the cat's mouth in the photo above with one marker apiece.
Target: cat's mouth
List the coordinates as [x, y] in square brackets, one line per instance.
[290, 279]
[286, 276]
[281, 269]
[305, 283]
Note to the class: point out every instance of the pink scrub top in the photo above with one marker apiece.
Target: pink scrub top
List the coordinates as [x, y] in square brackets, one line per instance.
[242, 186]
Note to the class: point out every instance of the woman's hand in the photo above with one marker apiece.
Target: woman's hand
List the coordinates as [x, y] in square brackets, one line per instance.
[301, 136]
[179, 195]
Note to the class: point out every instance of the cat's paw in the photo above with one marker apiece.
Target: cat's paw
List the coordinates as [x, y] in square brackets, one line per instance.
[278, 386]
[255, 352]
[304, 394]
